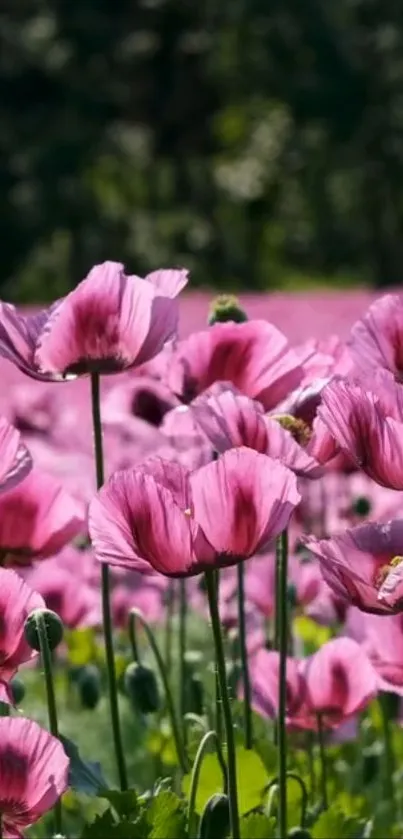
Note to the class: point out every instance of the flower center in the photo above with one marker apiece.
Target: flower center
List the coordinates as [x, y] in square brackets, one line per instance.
[384, 570]
[297, 427]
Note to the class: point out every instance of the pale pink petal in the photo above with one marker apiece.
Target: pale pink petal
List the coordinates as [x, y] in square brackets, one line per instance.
[17, 600]
[377, 339]
[242, 501]
[169, 281]
[15, 460]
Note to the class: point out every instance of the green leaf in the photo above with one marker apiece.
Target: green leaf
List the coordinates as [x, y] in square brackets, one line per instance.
[105, 826]
[258, 826]
[333, 824]
[84, 776]
[81, 646]
[166, 817]
[252, 780]
[125, 803]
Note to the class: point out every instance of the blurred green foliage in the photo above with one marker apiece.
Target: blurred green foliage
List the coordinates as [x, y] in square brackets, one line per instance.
[251, 141]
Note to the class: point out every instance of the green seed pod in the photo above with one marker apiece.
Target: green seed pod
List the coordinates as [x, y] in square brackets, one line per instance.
[224, 308]
[17, 690]
[53, 625]
[215, 818]
[194, 695]
[89, 686]
[299, 833]
[142, 688]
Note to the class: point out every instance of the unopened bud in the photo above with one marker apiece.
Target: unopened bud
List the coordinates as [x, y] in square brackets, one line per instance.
[142, 688]
[89, 686]
[225, 308]
[362, 506]
[215, 818]
[17, 690]
[53, 626]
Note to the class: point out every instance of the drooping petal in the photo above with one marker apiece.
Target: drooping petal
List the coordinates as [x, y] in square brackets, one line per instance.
[19, 335]
[242, 501]
[137, 523]
[169, 281]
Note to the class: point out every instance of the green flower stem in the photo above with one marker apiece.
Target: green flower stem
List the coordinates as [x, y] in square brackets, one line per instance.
[244, 657]
[106, 606]
[277, 572]
[218, 701]
[182, 649]
[209, 737]
[46, 657]
[176, 731]
[226, 707]
[311, 766]
[282, 610]
[170, 603]
[323, 763]
[133, 638]
[388, 753]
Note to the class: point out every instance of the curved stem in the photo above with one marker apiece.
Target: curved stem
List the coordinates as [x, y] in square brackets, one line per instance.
[304, 797]
[168, 694]
[389, 759]
[282, 609]
[204, 743]
[46, 657]
[244, 657]
[229, 729]
[133, 638]
[323, 762]
[106, 606]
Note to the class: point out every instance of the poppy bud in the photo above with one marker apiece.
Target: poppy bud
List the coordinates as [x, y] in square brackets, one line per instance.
[17, 690]
[299, 833]
[194, 695]
[53, 626]
[215, 818]
[224, 308]
[89, 686]
[142, 688]
[362, 506]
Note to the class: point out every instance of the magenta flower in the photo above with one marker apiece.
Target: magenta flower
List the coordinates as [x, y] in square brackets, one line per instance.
[15, 460]
[37, 518]
[17, 600]
[335, 683]
[365, 427]
[181, 523]
[254, 356]
[377, 339]
[33, 773]
[109, 323]
[357, 564]
[230, 419]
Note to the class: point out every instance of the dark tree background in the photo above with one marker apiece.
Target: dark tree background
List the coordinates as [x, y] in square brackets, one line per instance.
[253, 141]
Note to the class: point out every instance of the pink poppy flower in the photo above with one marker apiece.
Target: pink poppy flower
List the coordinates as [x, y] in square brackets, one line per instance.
[33, 773]
[37, 518]
[109, 323]
[376, 339]
[180, 523]
[17, 600]
[254, 356]
[15, 460]
[141, 397]
[365, 429]
[229, 419]
[356, 565]
[335, 683]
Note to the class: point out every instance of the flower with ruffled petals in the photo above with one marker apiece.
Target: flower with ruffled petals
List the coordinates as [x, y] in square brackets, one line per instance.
[229, 419]
[368, 427]
[376, 339]
[15, 459]
[37, 518]
[109, 323]
[254, 356]
[17, 601]
[33, 773]
[181, 523]
[357, 564]
[335, 683]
